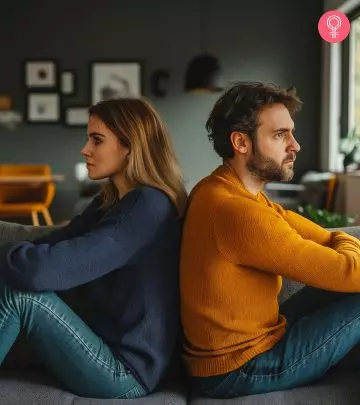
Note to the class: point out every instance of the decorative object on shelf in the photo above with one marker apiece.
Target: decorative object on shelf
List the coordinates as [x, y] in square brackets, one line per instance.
[68, 82]
[350, 149]
[43, 108]
[115, 79]
[5, 102]
[76, 116]
[9, 118]
[203, 74]
[41, 74]
[159, 82]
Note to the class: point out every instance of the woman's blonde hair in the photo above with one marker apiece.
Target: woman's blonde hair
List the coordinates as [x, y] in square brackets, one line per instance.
[152, 160]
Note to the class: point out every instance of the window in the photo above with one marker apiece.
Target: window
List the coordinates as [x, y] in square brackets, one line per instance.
[353, 87]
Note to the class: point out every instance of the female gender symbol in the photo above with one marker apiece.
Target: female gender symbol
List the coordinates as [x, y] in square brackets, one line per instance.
[334, 26]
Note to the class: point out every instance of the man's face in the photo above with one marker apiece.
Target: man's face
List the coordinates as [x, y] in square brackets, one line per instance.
[274, 147]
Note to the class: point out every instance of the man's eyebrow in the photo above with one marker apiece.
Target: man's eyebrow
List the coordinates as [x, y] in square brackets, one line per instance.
[283, 129]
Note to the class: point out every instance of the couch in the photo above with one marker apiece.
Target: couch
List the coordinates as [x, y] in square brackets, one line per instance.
[26, 384]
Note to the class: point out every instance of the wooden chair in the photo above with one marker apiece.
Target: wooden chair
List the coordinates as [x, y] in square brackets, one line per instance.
[28, 198]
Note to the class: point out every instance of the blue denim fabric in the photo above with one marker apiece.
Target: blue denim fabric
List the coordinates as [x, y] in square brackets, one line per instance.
[78, 358]
[322, 328]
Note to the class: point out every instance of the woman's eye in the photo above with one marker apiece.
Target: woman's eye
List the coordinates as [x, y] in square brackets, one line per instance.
[97, 140]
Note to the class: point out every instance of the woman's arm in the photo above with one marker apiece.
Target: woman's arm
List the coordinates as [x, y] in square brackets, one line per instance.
[114, 242]
[77, 226]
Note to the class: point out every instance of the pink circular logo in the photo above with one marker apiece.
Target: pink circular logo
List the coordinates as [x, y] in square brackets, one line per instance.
[334, 26]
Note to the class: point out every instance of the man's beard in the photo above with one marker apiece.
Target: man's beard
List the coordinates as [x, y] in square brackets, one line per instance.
[266, 169]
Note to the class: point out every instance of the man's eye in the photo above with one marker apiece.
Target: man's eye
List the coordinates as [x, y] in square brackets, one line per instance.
[279, 135]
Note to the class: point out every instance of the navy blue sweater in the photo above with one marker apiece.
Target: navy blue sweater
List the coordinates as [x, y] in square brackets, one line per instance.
[127, 257]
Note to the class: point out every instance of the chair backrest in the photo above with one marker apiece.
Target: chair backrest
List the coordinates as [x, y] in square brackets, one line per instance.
[24, 170]
[22, 193]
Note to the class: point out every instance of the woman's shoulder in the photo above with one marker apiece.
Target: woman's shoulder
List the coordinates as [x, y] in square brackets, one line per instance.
[142, 197]
[153, 196]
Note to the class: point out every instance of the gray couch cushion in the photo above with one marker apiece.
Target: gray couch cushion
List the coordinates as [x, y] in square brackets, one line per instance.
[335, 389]
[10, 232]
[37, 389]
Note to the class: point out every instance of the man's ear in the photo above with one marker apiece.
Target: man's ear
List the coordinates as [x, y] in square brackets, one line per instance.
[239, 142]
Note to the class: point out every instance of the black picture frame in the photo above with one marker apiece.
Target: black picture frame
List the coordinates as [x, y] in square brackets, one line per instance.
[43, 108]
[41, 75]
[115, 79]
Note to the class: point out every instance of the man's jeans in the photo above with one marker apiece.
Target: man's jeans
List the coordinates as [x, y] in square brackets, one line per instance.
[322, 328]
[78, 358]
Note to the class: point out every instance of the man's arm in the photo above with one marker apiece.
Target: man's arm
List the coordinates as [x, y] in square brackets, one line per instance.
[305, 228]
[256, 236]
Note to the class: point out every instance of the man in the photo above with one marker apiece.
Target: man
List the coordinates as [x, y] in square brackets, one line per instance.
[237, 245]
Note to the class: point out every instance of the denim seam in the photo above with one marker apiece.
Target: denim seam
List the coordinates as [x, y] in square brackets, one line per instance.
[67, 327]
[7, 313]
[304, 359]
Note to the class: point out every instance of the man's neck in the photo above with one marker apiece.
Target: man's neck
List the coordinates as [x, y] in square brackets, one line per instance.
[252, 183]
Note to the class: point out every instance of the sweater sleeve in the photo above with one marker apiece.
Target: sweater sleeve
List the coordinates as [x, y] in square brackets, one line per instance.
[305, 228]
[112, 244]
[254, 235]
[77, 226]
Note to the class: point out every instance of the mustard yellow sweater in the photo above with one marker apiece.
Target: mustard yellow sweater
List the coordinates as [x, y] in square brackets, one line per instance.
[236, 248]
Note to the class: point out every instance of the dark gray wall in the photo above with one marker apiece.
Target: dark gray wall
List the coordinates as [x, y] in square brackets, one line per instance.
[254, 40]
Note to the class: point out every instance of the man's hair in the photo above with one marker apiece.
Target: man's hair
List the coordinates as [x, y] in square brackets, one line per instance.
[238, 110]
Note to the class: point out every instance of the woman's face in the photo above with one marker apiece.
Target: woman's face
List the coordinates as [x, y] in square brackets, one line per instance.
[105, 156]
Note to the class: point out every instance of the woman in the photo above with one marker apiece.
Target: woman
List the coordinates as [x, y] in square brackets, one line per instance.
[124, 251]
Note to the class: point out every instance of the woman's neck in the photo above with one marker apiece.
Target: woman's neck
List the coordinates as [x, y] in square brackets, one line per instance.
[123, 186]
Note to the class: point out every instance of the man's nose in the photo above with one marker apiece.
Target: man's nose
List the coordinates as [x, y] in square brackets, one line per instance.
[294, 145]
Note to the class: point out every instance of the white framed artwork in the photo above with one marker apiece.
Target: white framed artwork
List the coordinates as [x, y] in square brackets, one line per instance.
[76, 116]
[41, 74]
[68, 82]
[115, 79]
[43, 108]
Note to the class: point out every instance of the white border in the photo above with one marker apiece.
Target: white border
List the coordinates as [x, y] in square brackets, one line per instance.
[331, 98]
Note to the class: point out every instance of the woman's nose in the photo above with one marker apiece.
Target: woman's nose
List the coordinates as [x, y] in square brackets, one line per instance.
[85, 151]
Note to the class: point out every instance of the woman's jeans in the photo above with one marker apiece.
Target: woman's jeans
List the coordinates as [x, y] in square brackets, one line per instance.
[78, 358]
[322, 328]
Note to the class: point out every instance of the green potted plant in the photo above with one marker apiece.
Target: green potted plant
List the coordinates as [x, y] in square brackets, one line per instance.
[325, 218]
[350, 149]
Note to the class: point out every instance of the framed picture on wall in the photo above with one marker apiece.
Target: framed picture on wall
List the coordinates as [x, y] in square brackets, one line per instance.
[43, 108]
[115, 79]
[68, 82]
[41, 74]
[76, 116]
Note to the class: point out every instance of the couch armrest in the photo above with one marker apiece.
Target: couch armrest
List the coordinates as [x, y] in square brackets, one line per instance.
[351, 230]
[12, 232]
